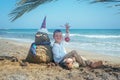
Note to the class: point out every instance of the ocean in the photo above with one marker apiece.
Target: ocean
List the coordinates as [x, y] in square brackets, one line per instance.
[101, 41]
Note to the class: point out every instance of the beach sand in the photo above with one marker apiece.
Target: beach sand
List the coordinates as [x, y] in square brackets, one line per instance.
[13, 70]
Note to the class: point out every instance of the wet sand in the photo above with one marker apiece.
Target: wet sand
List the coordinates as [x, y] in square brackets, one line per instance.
[13, 70]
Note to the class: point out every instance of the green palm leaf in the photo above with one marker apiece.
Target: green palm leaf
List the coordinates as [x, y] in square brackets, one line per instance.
[95, 1]
[24, 6]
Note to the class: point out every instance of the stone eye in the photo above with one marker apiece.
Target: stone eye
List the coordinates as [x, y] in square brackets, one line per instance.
[44, 35]
[40, 34]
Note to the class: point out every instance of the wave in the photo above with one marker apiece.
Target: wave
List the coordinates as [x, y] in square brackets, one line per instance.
[18, 39]
[24, 32]
[96, 36]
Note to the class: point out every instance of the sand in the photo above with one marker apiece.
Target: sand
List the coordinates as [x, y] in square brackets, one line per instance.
[13, 70]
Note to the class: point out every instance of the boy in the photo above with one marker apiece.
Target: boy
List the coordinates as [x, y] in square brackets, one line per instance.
[66, 60]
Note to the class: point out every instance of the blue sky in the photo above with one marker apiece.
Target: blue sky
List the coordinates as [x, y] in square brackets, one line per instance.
[80, 15]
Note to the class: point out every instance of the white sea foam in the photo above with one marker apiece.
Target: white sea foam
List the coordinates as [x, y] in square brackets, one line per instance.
[96, 36]
[108, 48]
[20, 40]
[102, 36]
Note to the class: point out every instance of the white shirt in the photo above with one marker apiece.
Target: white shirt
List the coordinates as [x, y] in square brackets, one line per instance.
[58, 52]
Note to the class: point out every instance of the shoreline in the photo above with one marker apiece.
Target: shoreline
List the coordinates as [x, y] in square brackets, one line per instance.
[24, 48]
[18, 40]
[107, 51]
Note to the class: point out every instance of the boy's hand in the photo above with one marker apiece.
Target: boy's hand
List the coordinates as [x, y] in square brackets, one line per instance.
[67, 27]
[67, 39]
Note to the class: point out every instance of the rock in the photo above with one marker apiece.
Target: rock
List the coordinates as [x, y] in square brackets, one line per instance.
[106, 76]
[23, 64]
[90, 77]
[81, 69]
[14, 59]
[118, 76]
[18, 76]
[58, 78]
[70, 75]
[1, 58]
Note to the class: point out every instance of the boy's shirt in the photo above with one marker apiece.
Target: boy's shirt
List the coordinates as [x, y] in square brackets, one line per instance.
[58, 52]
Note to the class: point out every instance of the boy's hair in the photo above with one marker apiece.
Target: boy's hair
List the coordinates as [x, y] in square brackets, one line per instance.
[57, 30]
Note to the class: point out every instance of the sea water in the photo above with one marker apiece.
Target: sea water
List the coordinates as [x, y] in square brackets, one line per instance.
[101, 41]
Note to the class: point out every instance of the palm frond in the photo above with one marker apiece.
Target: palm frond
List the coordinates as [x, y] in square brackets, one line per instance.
[96, 1]
[26, 6]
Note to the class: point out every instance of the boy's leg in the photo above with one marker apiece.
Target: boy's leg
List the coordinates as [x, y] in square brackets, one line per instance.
[92, 64]
[82, 61]
[86, 62]
[96, 64]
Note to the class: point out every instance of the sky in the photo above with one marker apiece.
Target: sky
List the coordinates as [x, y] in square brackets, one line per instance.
[80, 15]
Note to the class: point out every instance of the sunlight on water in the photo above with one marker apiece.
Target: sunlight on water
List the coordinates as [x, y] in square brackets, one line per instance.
[100, 41]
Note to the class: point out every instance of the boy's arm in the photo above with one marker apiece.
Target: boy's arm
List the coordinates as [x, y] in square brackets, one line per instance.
[67, 38]
[67, 27]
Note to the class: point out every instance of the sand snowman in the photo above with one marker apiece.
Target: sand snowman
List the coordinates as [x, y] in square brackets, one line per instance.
[41, 50]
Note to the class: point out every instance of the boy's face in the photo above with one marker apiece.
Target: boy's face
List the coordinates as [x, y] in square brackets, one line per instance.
[58, 37]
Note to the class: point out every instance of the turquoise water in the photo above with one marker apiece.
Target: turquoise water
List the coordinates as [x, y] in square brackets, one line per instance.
[103, 41]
